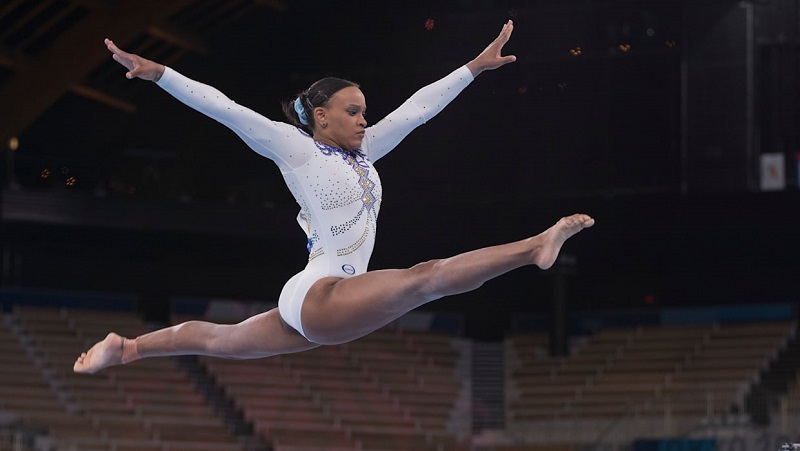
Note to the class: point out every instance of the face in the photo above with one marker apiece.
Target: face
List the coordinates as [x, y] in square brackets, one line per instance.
[342, 123]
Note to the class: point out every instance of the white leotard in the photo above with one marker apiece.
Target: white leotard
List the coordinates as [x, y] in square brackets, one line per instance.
[339, 193]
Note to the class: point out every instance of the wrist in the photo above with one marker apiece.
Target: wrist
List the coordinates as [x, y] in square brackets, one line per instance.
[474, 67]
[159, 72]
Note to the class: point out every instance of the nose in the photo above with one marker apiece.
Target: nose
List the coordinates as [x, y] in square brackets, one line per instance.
[362, 121]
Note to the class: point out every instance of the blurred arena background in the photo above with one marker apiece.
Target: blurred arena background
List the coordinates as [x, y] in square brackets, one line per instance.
[669, 325]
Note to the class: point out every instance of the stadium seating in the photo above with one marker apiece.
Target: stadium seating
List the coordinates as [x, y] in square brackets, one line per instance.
[648, 375]
[148, 405]
[392, 390]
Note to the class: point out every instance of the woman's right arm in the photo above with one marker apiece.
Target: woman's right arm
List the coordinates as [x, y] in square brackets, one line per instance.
[271, 139]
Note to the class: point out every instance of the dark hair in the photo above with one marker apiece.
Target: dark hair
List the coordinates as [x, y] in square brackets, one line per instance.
[317, 95]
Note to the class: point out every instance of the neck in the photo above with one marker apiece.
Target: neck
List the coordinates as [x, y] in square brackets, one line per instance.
[328, 141]
[329, 149]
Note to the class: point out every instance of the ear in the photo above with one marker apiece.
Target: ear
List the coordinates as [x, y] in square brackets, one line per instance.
[319, 115]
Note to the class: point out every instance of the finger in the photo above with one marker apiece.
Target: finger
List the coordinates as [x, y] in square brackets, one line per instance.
[111, 46]
[505, 34]
[121, 60]
[133, 72]
[125, 62]
[509, 29]
[503, 31]
[502, 61]
[116, 50]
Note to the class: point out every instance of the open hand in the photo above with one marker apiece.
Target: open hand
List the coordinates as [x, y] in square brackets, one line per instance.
[137, 66]
[491, 57]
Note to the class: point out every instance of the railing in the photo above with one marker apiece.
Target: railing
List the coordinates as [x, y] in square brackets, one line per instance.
[785, 414]
[80, 209]
[23, 438]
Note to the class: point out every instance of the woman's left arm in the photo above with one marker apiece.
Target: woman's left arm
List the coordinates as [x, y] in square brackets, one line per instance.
[381, 138]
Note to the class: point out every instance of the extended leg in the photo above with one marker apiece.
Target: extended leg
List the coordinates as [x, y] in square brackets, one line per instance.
[262, 335]
[341, 310]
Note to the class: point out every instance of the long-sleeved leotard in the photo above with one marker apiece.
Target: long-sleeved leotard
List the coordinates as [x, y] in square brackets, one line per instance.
[339, 193]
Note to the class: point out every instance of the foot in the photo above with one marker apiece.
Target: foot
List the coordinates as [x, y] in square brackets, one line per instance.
[553, 238]
[103, 354]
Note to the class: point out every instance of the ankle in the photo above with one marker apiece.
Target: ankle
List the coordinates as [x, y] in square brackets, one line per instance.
[534, 246]
[130, 351]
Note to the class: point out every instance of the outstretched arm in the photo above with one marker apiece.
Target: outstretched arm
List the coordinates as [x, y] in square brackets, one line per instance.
[430, 100]
[266, 137]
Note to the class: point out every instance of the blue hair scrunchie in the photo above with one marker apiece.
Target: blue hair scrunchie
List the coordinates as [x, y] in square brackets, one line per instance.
[301, 111]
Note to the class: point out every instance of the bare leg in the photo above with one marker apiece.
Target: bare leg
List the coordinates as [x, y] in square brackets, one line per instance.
[262, 335]
[338, 310]
[341, 310]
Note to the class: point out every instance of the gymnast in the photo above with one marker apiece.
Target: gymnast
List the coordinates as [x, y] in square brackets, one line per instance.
[326, 155]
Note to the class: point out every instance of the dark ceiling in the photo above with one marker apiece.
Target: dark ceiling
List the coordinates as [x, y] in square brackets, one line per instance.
[527, 124]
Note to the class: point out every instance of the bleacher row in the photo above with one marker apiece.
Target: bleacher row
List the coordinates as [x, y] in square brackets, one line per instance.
[380, 393]
[392, 390]
[150, 405]
[692, 373]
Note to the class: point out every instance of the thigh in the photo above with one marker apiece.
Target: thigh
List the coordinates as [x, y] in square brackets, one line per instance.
[340, 310]
[262, 335]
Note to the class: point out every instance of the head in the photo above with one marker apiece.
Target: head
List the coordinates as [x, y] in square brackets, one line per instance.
[333, 110]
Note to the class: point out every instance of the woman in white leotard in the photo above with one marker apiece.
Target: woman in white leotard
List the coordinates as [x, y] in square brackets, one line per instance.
[326, 157]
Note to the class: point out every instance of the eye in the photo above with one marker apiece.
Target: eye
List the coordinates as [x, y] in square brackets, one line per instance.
[355, 112]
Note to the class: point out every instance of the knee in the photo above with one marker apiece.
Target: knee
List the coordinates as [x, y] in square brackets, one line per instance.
[424, 270]
[427, 277]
